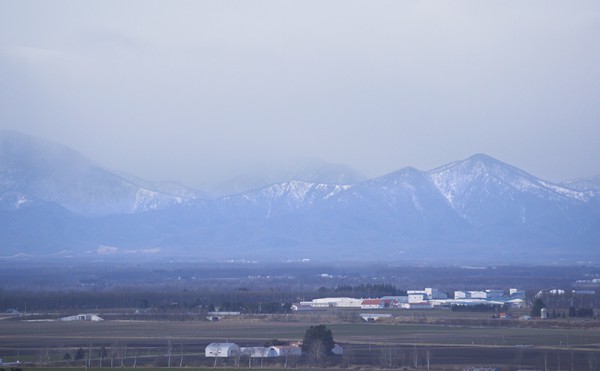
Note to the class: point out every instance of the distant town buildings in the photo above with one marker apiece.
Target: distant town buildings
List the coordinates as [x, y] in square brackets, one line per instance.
[420, 299]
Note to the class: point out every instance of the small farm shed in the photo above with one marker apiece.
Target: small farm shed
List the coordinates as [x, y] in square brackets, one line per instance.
[83, 317]
[223, 350]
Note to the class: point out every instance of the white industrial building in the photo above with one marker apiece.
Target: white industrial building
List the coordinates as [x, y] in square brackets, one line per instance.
[517, 293]
[484, 294]
[416, 298]
[333, 303]
[428, 294]
[494, 294]
[462, 294]
[478, 294]
[222, 350]
[433, 293]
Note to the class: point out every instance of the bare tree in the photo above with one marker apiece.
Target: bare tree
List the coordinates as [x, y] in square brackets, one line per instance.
[181, 358]
[112, 356]
[347, 357]
[519, 357]
[592, 361]
[102, 353]
[169, 351]
[428, 357]
[416, 357]
[316, 352]
[390, 357]
[123, 356]
[558, 358]
[238, 355]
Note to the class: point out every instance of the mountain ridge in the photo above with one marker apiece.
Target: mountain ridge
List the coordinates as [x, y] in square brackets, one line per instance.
[476, 208]
[52, 172]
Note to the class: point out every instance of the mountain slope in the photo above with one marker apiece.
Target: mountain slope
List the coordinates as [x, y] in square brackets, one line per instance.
[44, 170]
[480, 188]
[507, 205]
[479, 209]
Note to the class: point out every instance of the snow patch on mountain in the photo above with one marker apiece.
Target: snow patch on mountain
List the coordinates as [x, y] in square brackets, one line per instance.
[565, 192]
[296, 193]
[458, 180]
[150, 200]
[13, 200]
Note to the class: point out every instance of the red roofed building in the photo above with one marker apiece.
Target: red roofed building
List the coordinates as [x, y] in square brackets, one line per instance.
[372, 304]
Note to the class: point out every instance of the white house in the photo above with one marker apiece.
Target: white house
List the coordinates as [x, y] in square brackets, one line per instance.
[222, 350]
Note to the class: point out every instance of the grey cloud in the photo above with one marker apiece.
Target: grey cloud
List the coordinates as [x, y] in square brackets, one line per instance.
[192, 90]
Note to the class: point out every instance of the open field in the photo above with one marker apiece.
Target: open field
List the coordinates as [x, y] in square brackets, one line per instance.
[157, 369]
[372, 344]
[156, 317]
[22, 334]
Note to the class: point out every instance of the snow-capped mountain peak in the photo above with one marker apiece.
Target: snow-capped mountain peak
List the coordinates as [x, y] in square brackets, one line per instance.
[482, 174]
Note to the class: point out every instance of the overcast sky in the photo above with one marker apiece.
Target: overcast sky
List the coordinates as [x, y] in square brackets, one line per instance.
[197, 90]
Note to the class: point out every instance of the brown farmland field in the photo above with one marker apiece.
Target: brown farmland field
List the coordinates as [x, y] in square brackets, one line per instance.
[384, 345]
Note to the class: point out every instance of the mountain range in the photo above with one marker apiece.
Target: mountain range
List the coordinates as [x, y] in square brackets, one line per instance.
[54, 202]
